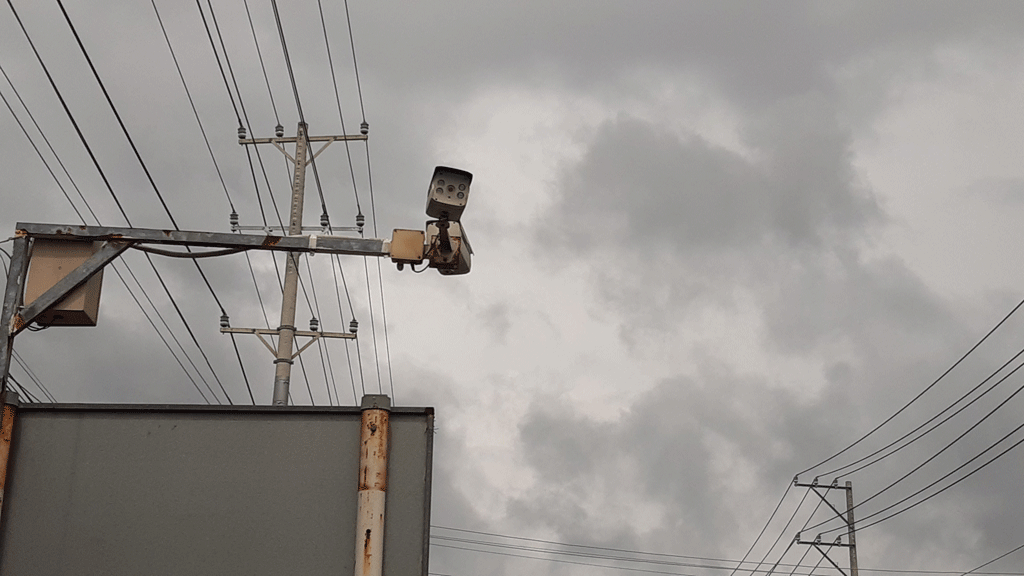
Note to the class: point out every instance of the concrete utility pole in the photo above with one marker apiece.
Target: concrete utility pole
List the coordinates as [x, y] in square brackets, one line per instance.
[285, 355]
[286, 339]
[851, 533]
[847, 518]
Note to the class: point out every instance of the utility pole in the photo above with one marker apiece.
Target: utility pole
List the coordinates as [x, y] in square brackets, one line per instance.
[847, 518]
[851, 533]
[284, 356]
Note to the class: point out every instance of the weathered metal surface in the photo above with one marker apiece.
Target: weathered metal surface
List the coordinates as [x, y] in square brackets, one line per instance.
[851, 533]
[52, 260]
[407, 246]
[128, 490]
[291, 139]
[10, 410]
[325, 244]
[373, 484]
[77, 277]
[12, 300]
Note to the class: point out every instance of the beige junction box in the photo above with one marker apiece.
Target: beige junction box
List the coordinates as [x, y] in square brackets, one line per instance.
[50, 262]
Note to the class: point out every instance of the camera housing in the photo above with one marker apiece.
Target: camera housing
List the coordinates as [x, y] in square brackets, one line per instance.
[448, 193]
[448, 248]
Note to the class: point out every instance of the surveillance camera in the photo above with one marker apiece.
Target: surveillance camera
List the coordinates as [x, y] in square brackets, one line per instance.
[448, 193]
[448, 248]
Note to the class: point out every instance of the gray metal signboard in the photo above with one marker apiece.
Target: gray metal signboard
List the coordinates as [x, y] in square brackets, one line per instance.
[135, 489]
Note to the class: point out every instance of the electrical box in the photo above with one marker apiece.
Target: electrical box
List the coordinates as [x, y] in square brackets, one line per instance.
[407, 246]
[50, 262]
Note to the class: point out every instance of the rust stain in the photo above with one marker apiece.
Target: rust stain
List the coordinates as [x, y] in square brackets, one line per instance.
[374, 450]
[6, 430]
[271, 240]
[367, 553]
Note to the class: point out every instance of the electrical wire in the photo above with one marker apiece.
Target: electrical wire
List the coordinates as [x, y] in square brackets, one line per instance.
[32, 375]
[801, 561]
[320, 344]
[28, 396]
[337, 100]
[36, 148]
[138, 156]
[948, 445]
[263, 66]
[761, 533]
[242, 106]
[192, 103]
[633, 568]
[355, 63]
[940, 491]
[602, 551]
[919, 394]
[298, 104]
[929, 421]
[93, 213]
[997, 558]
[341, 313]
[355, 188]
[373, 215]
[781, 533]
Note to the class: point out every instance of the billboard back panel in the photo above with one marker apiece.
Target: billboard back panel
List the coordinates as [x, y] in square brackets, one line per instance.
[128, 490]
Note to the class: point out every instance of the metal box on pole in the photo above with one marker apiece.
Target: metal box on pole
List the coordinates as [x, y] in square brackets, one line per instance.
[51, 261]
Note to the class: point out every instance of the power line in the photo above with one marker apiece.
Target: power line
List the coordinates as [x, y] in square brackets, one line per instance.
[1000, 557]
[761, 533]
[957, 469]
[601, 552]
[32, 376]
[782, 532]
[28, 396]
[298, 104]
[930, 420]
[92, 156]
[263, 67]
[373, 216]
[156, 190]
[93, 213]
[948, 445]
[921, 393]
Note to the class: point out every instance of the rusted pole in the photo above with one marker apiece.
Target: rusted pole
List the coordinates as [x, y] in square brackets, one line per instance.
[10, 402]
[373, 485]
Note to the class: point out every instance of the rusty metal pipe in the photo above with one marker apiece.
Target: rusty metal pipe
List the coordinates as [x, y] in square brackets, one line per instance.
[10, 403]
[373, 484]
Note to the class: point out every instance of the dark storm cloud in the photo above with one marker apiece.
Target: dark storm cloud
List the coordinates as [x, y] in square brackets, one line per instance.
[698, 448]
[674, 221]
[666, 221]
[757, 53]
[687, 445]
[643, 187]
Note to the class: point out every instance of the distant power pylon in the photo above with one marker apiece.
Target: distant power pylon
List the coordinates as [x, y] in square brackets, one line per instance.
[851, 536]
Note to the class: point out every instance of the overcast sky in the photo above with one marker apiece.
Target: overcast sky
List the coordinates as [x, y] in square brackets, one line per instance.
[715, 243]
